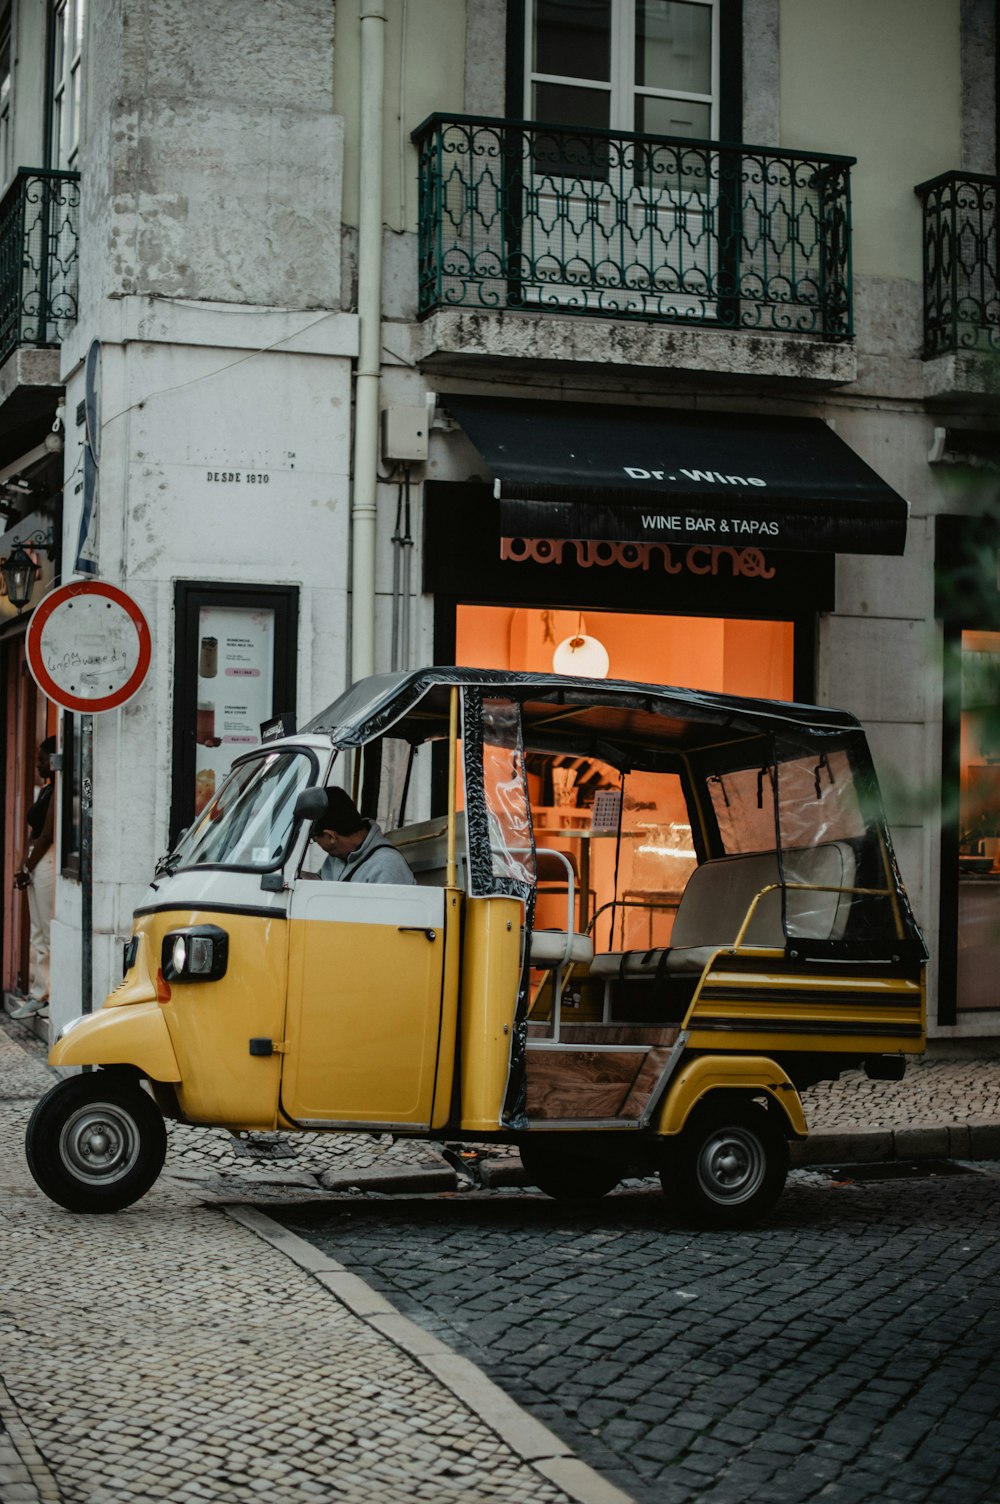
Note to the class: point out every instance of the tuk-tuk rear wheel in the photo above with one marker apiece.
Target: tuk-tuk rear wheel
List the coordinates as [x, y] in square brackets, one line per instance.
[729, 1164]
[96, 1142]
[567, 1171]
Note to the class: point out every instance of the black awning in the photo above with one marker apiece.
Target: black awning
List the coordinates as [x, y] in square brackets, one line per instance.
[663, 475]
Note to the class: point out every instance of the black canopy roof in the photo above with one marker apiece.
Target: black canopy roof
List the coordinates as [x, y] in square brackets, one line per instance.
[416, 705]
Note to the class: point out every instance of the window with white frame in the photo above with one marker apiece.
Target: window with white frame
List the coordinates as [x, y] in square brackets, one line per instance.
[608, 224]
[68, 19]
[624, 65]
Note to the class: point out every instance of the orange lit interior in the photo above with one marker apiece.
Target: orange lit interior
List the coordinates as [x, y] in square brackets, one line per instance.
[695, 652]
[980, 745]
[650, 862]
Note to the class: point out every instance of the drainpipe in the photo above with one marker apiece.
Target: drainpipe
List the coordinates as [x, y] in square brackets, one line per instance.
[366, 386]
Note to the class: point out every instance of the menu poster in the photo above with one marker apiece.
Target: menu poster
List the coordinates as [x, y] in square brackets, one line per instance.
[235, 690]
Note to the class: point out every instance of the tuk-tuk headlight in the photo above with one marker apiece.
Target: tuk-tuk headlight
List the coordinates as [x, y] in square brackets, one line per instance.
[197, 954]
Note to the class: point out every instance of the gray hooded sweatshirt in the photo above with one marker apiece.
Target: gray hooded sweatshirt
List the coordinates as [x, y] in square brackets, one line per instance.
[375, 861]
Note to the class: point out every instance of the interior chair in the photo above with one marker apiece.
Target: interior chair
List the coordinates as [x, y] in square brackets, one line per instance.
[559, 950]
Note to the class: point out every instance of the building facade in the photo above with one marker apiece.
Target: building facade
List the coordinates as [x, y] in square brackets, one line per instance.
[349, 337]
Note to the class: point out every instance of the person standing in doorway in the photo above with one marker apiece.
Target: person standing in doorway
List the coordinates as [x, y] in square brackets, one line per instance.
[37, 874]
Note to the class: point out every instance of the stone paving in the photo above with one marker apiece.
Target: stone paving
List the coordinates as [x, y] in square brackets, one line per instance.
[225, 1342]
[843, 1352]
[168, 1354]
[936, 1090]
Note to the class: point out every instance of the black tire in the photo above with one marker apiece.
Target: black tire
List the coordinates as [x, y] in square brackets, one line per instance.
[567, 1172]
[96, 1142]
[728, 1165]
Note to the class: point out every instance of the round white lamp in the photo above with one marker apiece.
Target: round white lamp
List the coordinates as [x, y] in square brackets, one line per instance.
[583, 656]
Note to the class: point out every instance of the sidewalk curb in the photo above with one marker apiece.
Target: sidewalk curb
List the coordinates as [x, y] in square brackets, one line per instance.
[861, 1146]
[831, 1146]
[25, 1474]
[414, 1178]
[533, 1442]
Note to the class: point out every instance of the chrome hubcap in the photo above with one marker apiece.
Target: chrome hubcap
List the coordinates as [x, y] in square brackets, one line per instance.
[100, 1142]
[731, 1165]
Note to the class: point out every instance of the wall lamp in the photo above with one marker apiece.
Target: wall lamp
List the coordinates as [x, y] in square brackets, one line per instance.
[19, 569]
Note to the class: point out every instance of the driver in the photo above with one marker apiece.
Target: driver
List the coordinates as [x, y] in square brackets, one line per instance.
[356, 849]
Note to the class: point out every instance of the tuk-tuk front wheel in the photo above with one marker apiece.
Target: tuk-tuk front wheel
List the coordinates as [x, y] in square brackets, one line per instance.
[96, 1142]
[567, 1171]
[728, 1165]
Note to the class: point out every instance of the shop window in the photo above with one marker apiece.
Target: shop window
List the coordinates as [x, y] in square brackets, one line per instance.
[628, 837]
[974, 952]
[737, 657]
[979, 754]
[234, 670]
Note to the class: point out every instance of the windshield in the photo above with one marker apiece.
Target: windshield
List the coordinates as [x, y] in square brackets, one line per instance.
[249, 822]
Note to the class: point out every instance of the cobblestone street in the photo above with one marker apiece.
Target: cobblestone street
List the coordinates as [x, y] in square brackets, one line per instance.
[168, 1354]
[845, 1351]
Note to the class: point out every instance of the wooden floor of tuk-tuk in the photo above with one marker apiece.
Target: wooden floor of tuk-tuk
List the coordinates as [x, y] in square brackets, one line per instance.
[595, 1069]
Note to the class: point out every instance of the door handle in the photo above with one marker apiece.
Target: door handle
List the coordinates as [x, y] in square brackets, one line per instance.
[417, 929]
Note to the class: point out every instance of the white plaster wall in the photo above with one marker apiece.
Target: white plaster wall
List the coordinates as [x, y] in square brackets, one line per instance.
[213, 158]
[879, 81]
[174, 412]
[424, 73]
[210, 274]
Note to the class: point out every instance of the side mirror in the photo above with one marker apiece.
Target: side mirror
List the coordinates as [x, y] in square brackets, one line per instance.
[310, 804]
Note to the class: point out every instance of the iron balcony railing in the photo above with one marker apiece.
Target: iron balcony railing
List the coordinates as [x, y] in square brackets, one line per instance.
[39, 258]
[961, 271]
[520, 215]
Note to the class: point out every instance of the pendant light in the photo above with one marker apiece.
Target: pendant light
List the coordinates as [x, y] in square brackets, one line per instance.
[581, 655]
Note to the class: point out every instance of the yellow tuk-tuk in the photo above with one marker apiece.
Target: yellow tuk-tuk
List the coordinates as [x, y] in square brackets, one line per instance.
[643, 921]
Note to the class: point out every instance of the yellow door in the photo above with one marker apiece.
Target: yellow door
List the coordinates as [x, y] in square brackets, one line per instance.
[365, 971]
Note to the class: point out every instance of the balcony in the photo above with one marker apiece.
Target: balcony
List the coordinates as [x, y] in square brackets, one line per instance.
[961, 294]
[39, 257]
[734, 241]
[961, 284]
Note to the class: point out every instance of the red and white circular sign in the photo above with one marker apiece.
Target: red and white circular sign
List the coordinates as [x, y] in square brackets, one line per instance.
[88, 646]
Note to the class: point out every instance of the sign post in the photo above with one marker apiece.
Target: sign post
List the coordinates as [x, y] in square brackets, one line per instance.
[88, 649]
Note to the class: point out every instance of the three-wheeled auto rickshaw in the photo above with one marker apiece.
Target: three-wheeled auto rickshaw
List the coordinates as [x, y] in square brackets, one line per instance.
[643, 921]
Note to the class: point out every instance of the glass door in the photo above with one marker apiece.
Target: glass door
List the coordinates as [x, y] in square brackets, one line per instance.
[608, 221]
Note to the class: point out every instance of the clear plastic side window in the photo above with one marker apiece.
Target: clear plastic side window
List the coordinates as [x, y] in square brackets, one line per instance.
[829, 849]
[743, 801]
[822, 828]
[497, 798]
[505, 785]
[818, 800]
